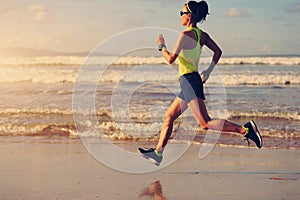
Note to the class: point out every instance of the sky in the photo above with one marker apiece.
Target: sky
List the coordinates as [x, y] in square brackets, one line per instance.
[240, 27]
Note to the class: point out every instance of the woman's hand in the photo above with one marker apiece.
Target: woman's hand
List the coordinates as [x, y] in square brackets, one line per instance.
[160, 39]
[205, 75]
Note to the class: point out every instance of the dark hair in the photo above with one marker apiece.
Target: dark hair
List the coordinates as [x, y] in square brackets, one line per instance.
[199, 10]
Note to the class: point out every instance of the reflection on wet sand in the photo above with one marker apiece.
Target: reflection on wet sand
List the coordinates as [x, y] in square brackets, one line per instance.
[154, 190]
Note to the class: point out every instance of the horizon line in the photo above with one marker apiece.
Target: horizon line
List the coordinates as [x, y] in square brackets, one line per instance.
[32, 52]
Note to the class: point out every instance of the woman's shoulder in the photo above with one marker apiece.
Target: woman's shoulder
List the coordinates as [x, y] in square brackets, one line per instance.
[189, 32]
[186, 35]
[204, 36]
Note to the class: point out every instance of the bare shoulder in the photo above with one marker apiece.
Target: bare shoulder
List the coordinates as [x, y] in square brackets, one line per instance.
[210, 43]
[204, 37]
[182, 35]
[187, 33]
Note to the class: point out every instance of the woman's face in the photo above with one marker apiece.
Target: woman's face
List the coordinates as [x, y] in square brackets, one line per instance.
[186, 16]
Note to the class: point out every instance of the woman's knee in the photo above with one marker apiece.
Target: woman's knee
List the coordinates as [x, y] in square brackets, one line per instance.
[168, 119]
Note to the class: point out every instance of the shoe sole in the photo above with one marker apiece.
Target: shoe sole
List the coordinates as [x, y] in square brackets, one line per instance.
[148, 158]
[257, 133]
[151, 160]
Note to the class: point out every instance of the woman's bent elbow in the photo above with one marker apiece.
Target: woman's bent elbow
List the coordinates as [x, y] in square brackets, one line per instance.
[217, 55]
[219, 52]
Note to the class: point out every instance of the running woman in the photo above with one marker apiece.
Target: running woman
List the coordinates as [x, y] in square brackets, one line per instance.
[188, 49]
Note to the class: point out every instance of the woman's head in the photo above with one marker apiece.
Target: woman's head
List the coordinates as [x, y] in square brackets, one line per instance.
[198, 10]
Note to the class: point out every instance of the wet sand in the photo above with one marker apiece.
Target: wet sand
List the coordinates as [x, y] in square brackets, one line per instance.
[65, 170]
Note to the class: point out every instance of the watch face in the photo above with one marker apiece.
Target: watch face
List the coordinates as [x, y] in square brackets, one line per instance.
[161, 46]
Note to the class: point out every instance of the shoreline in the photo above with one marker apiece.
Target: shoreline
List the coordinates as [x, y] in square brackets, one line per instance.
[67, 171]
[226, 140]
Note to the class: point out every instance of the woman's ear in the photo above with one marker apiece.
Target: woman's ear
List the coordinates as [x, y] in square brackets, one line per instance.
[189, 16]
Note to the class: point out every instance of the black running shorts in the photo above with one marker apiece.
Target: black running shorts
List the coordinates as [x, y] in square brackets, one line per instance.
[191, 87]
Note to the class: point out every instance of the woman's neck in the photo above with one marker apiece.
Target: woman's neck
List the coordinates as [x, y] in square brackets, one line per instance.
[191, 25]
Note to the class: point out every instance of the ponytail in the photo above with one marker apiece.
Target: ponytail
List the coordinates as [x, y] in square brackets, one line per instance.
[199, 10]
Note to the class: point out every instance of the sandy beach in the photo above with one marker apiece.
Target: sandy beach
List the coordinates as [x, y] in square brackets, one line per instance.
[63, 169]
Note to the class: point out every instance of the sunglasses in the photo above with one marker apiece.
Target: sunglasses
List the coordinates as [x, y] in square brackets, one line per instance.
[183, 13]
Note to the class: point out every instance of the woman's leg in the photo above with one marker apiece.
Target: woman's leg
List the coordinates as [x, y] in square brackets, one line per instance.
[199, 111]
[216, 124]
[177, 107]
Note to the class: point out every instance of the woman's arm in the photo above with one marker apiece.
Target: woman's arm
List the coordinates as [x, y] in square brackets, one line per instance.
[212, 45]
[171, 56]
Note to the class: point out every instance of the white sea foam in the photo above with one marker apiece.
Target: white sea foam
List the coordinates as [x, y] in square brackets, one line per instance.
[38, 130]
[36, 75]
[271, 115]
[49, 75]
[41, 111]
[287, 61]
[42, 61]
[139, 60]
[256, 79]
[65, 69]
[120, 131]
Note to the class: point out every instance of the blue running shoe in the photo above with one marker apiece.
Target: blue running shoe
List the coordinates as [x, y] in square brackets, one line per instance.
[253, 134]
[151, 155]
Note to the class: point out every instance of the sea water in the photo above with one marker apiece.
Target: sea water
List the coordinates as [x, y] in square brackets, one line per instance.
[132, 94]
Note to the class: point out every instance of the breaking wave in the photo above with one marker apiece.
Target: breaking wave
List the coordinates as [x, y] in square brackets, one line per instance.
[141, 60]
[52, 75]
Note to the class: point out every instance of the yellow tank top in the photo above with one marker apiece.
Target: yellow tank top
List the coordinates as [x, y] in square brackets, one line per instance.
[188, 59]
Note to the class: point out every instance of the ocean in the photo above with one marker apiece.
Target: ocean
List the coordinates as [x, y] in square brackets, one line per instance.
[133, 92]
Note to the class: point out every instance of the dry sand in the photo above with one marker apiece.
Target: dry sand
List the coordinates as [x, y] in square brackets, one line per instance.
[65, 170]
